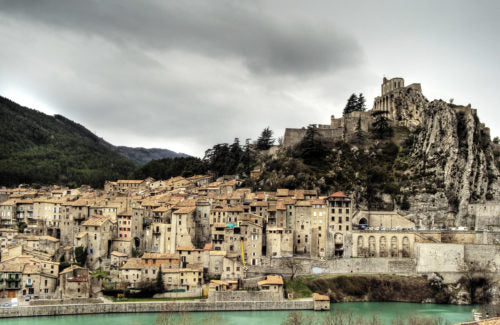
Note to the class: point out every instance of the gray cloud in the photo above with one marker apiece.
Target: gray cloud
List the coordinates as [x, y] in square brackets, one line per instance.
[185, 75]
[264, 41]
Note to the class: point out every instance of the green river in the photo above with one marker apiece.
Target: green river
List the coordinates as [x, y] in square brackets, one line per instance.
[386, 311]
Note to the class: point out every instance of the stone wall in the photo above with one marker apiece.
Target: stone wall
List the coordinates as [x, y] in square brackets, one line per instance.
[375, 265]
[241, 295]
[438, 257]
[44, 302]
[483, 255]
[486, 215]
[154, 307]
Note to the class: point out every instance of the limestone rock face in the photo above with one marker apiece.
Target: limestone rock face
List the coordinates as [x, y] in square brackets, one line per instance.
[409, 108]
[453, 156]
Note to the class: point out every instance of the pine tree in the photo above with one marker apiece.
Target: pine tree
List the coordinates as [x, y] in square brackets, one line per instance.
[352, 104]
[265, 141]
[159, 281]
[311, 148]
[359, 132]
[381, 127]
[361, 103]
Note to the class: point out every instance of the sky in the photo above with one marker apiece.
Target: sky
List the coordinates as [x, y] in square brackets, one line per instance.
[185, 75]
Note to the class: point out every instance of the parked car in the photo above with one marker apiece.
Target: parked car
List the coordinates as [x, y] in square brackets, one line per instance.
[6, 305]
[28, 298]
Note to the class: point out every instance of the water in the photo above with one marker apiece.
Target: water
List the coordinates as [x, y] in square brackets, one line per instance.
[386, 311]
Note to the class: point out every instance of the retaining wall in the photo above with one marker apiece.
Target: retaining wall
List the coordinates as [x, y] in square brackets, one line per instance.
[154, 307]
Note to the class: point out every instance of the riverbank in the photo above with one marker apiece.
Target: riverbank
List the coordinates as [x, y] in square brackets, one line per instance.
[154, 307]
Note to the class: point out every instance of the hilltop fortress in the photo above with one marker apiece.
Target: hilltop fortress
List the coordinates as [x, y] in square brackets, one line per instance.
[403, 106]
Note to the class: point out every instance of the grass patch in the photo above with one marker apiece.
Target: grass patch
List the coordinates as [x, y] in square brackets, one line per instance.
[298, 288]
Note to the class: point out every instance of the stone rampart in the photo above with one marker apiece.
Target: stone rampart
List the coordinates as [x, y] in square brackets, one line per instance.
[154, 307]
[437, 257]
[242, 295]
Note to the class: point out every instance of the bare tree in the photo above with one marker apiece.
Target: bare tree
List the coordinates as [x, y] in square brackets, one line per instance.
[293, 265]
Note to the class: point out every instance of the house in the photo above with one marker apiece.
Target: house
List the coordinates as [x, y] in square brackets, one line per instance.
[272, 284]
[74, 282]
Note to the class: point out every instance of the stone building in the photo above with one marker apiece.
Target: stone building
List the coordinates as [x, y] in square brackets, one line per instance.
[97, 236]
[279, 242]
[391, 101]
[302, 234]
[340, 212]
[74, 282]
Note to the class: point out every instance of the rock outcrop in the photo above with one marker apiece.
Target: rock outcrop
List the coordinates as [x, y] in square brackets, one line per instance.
[453, 160]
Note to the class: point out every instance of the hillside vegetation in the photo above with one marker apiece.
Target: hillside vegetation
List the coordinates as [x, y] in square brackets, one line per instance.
[38, 148]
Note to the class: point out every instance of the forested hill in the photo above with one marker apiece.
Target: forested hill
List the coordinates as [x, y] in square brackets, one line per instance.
[38, 148]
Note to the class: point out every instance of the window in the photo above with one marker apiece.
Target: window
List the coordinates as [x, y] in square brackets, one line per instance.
[340, 227]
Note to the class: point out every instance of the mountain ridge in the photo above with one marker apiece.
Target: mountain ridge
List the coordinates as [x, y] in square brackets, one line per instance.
[40, 148]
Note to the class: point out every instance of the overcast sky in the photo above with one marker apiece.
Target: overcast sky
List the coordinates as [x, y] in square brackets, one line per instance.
[185, 75]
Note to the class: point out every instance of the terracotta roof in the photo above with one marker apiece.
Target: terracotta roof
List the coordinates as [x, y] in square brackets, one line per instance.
[271, 279]
[162, 209]
[303, 203]
[318, 297]
[132, 263]
[280, 205]
[338, 195]
[71, 268]
[259, 204]
[130, 181]
[185, 210]
[82, 234]
[160, 256]
[282, 192]
[95, 220]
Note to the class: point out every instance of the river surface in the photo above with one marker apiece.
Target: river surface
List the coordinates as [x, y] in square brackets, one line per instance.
[385, 311]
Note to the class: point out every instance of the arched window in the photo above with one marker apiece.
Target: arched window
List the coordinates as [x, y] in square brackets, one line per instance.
[394, 247]
[361, 244]
[406, 247]
[372, 250]
[383, 247]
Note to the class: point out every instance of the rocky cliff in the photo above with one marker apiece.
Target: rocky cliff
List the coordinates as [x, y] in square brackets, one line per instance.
[453, 164]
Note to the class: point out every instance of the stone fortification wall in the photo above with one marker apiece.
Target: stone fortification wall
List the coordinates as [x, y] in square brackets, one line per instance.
[437, 257]
[309, 266]
[43, 302]
[240, 295]
[340, 129]
[486, 215]
[292, 137]
[483, 255]
[154, 307]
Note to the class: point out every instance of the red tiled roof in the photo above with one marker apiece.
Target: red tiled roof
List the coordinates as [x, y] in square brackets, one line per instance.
[338, 194]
